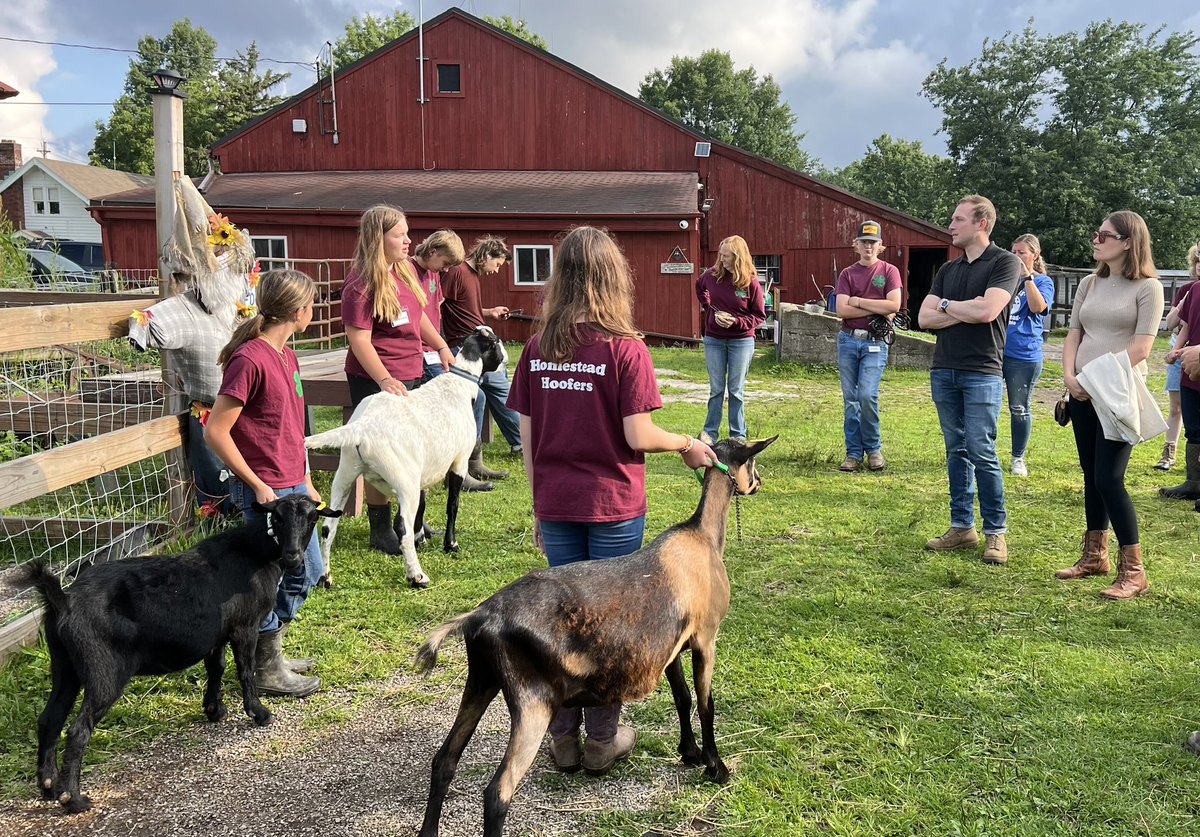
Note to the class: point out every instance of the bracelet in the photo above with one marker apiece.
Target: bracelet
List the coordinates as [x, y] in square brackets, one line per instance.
[688, 446]
[385, 380]
[445, 348]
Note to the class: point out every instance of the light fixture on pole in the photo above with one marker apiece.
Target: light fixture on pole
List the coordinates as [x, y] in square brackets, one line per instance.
[707, 204]
[166, 83]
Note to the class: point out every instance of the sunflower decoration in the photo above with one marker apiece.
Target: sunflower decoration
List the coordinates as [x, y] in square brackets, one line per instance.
[142, 317]
[222, 232]
[255, 275]
[246, 310]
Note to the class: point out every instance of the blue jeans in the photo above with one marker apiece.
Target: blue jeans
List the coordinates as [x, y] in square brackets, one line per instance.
[493, 390]
[566, 543]
[728, 362]
[861, 364]
[1020, 377]
[293, 587]
[968, 405]
[206, 469]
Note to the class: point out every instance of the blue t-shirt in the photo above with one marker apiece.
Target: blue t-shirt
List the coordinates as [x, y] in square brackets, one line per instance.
[1024, 341]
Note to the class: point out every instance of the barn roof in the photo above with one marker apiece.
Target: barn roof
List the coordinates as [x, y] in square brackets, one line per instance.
[446, 192]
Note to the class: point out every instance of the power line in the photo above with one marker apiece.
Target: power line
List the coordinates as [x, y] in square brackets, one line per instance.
[308, 64]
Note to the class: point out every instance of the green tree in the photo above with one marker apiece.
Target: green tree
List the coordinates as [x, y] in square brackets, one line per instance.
[370, 32]
[901, 174]
[518, 28]
[1061, 130]
[734, 106]
[221, 95]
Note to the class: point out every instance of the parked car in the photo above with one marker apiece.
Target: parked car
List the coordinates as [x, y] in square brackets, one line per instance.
[86, 254]
[52, 271]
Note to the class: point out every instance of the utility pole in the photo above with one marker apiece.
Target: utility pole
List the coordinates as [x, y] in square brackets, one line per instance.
[45, 149]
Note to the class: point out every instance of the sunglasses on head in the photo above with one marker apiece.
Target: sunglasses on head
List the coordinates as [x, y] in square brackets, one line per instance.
[1102, 236]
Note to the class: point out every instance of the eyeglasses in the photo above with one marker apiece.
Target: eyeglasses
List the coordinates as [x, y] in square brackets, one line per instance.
[1101, 236]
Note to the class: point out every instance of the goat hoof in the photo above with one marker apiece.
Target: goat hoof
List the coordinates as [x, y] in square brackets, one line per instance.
[326, 581]
[263, 717]
[451, 547]
[47, 788]
[718, 773]
[692, 757]
[215, 713]
[75, 804]
[419, 583]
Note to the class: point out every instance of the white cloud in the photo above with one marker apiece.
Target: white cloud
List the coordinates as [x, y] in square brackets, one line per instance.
[22, 66]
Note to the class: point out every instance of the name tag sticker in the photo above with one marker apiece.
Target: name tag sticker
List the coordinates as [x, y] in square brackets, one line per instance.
[402, 320]
[872, 349]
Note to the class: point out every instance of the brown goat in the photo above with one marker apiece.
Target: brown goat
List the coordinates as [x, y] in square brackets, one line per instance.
[595, 633]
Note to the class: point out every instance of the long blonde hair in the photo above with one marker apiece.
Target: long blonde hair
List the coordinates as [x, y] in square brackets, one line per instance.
[591, 283]
[743, 265]
[280, 294]
[1031, 241]
[372, 265]
[1139, 258]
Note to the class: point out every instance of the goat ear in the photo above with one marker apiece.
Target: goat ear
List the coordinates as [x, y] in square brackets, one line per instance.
[757, 446]
[265, 507]
[325, 511]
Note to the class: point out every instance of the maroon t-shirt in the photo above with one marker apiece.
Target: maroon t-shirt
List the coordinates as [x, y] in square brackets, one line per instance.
[867, 282]
[746, 306]
[584, 471]
[430, 282]
[462, 312]
[398, 343]
[269, 433]
[1189, 312]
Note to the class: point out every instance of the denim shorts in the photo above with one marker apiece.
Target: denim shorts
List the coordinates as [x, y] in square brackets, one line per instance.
[1174, 376]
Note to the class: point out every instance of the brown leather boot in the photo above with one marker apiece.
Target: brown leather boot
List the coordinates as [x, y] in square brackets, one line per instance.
[1131, 575]
[1093, 561]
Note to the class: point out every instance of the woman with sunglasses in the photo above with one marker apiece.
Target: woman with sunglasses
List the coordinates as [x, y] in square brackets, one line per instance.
[1117, 308]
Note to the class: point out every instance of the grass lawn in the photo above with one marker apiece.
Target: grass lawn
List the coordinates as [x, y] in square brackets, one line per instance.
[863, 685]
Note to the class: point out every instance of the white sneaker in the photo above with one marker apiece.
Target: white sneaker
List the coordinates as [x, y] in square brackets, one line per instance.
[1018, 467]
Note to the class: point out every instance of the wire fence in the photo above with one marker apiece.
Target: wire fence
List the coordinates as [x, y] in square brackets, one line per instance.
[52, 400]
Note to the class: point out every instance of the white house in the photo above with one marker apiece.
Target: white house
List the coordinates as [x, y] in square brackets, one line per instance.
[57, 194]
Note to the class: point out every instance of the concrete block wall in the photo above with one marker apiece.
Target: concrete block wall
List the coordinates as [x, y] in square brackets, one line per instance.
[812, 338]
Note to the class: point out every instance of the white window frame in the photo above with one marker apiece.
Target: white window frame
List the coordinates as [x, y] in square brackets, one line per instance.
[39, 200]
[517, 248]
[270, 241]
[52, 200]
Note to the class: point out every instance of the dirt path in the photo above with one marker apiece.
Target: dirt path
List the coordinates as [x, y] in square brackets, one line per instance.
[367, 776]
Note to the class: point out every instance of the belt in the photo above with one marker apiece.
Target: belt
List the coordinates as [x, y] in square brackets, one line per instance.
[858, 333]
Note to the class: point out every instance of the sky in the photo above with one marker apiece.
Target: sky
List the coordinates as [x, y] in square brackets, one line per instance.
[850, 69]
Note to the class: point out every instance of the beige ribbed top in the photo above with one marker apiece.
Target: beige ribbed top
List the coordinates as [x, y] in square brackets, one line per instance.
[1111, 311]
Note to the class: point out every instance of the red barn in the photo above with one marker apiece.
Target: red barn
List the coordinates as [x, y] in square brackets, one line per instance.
[497, 136]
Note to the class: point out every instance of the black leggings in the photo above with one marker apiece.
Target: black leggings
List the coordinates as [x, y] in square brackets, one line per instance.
[1104, 462]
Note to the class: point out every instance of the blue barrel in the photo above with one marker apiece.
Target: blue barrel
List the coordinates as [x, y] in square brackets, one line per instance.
[831, 301]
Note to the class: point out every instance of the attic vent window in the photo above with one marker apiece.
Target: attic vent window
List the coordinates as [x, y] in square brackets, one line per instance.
[703, 149]
[449, 79]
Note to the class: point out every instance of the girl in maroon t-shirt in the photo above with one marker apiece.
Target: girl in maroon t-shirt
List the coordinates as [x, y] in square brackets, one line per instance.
[585, 389]
[256, 427]
[385, 322]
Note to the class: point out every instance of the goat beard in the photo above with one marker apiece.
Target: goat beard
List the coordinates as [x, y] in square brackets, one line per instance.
[220, 292]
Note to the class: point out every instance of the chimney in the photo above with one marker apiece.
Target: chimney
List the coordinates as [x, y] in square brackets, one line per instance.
[12, 201]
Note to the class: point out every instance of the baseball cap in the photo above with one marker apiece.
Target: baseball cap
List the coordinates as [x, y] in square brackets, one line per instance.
[869, 230]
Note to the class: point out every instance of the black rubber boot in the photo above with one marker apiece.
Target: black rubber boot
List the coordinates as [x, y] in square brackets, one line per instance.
[1189, 489]
[300, 665]
[383, 537]
[478, 470]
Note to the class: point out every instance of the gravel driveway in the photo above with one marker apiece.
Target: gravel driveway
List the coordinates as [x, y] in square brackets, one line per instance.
[366, 776]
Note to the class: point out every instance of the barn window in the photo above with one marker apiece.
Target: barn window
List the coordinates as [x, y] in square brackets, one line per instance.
[769, 270]
[52, 199]
[270, 250]
[39, 200]
[449, 79]
[531, 263]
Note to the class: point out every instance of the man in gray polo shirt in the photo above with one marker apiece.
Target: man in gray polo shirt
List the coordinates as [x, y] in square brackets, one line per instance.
[965, 309]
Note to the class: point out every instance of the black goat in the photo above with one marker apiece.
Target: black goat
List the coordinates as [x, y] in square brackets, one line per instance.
[160, 614]
[595, 633]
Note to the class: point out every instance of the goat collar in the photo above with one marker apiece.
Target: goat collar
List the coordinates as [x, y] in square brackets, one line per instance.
[462, 373]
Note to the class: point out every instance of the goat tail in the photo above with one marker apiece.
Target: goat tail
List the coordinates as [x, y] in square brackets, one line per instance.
[39, 574]
[427, 655]
[338, 437]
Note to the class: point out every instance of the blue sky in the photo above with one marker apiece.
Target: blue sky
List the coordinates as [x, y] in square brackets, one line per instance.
[850, 69]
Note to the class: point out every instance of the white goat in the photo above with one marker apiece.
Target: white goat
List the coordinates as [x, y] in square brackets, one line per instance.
[404, 443]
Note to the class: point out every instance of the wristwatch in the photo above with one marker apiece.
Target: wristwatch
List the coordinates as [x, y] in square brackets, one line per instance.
[943, 305]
